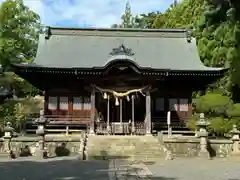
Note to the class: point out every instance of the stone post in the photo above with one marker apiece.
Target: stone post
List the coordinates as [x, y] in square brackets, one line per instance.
[203, 135]
[8, 134]
[148, 114]
[41, 131]
[235, 138]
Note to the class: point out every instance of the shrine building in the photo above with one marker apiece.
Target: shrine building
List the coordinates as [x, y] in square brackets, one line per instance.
[117, 81]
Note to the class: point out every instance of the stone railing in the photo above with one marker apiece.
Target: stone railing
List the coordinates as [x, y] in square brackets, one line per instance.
[54, 146]
[191, 147]
[201, 145]
[82, 148]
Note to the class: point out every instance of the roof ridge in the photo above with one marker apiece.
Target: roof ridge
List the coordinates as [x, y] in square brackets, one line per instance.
[169, 30]
[49, 31]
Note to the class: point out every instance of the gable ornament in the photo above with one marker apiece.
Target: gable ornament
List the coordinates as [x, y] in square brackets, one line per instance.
[121, 50]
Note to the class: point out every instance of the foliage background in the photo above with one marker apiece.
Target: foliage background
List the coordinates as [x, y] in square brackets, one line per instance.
[216, 25]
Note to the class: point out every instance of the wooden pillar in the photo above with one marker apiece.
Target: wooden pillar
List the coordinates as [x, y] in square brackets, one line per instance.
[121, 116]
[121, 111]
[108, 114]
[133, 115]
[46, 101]
[148, 113]
[92, 116]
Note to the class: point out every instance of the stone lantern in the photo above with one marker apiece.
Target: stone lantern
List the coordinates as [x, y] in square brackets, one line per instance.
[41, 131]
[203, 135]
[8, 131]
[235, 138]
[1, 69]
[8, 134]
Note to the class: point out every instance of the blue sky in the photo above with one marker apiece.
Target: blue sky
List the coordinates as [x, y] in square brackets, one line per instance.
[95, 13]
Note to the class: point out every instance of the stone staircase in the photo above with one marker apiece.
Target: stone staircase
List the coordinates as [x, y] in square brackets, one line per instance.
[124, 147]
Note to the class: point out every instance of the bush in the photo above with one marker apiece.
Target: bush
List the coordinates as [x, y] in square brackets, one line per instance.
[219, 126]
[213, 104]
[192, 124]
[234, 110]
[16, 110]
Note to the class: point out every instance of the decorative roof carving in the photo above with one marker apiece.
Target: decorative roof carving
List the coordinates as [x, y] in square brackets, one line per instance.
[46, 30]
[122, 50]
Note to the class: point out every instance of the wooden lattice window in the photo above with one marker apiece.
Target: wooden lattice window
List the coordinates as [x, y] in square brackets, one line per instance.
[63, 103]
[86, 103]
[173, 104]
[77, 103]
[52, 103]
[183, 103]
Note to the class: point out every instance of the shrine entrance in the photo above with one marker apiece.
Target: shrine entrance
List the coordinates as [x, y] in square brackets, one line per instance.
[121, 112]
[126, 96]
[121, 115]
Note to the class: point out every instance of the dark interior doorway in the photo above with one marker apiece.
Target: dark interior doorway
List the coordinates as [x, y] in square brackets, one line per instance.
[140, 108]
[114, 111]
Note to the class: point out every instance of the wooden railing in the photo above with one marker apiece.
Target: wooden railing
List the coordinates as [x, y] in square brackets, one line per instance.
[101, 128]
[58, 119]
[161, 122]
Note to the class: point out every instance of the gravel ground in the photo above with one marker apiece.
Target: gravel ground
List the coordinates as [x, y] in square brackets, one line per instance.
[196, 169]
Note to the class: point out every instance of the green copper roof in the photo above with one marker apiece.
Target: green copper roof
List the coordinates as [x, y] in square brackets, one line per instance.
[89, 48]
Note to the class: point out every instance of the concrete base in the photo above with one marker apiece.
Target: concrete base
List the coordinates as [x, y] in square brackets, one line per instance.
[91, 134]
[233, 153]
[5, 155]
[40, 154]
[148, 134]
[204, 154]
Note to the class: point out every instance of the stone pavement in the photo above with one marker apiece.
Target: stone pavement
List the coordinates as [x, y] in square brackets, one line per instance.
[178, 169]
[196, 169]
[123, 170]
[70, 168]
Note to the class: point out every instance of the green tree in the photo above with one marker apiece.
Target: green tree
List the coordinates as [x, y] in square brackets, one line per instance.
[217, 30]
[146, 20]
[19, 27]
[127, 18]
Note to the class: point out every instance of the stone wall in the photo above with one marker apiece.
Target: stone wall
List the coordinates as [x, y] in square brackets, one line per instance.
[70, 146]
[55, 145]
[191, 147]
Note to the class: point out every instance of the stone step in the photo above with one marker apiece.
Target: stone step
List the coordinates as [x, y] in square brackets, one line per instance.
[124, 138]
[131, 158]
[125, 149]
[127, 145]
[122, 141]
[154, 147]
[123, 153]
[124, 144]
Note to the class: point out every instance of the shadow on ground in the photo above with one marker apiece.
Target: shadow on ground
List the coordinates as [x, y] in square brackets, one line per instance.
[59, 169]
[54, 170]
